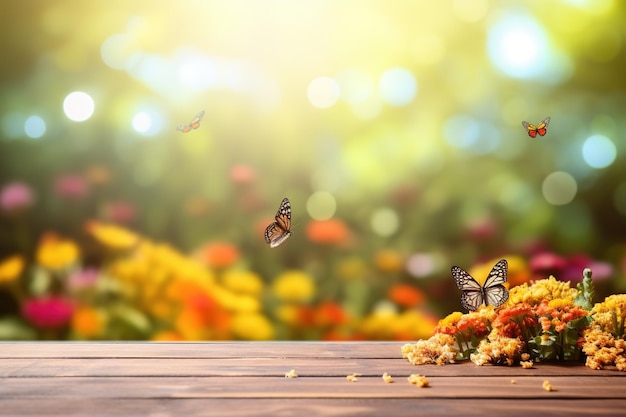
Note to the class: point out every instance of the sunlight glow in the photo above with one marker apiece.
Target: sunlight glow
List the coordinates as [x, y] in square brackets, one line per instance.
[78, 106]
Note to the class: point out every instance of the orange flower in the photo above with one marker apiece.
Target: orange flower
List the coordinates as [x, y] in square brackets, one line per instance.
[87, 322]
[219, 255]
[406, 295]
[330, 313]
[327, 232]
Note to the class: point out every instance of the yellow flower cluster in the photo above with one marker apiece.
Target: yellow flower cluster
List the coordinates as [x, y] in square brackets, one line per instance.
[604, 350]
[497, 349]
[545, 289]
[438, 349]
[604, 342]
[393, 325]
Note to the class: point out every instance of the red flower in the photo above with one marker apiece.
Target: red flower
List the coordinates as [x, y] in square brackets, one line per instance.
[49, 312]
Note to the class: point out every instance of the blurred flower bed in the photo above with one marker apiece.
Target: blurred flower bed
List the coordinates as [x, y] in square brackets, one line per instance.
[99, 280]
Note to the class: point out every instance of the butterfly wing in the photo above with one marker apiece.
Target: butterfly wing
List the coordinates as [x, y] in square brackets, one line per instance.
[277, 232]
[183, 128]
[542, 127]
[495, 292]
[195, 122]
[530, 128]
[471, 291]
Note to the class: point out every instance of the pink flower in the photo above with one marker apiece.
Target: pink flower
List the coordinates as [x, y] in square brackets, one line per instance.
[242, 174]
[15, 196]
[120, 211]
[547, 262]
[48, 312]
[71, 186]
[85, 278]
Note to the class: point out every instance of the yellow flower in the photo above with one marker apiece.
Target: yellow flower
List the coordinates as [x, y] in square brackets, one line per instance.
[388, 260]
[288, 313]
[112, 236]
[252, 326]
[545, 289]
[243, 282]
[561, 303]
[351, 269]
[294, 286]
[11, 268]
[56, 253]
[87, 323]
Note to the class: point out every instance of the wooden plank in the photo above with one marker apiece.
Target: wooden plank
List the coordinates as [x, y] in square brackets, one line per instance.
[319, 387]
[306, 407]
[338, 367]
[387, 350]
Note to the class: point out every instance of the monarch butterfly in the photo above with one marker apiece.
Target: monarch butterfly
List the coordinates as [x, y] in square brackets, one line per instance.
[473, 295]
[278, 231]
[194, 124]
[541, 128]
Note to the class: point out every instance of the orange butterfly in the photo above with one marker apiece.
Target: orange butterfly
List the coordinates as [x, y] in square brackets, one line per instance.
[194, 124]
[541, 128]
[278, 231]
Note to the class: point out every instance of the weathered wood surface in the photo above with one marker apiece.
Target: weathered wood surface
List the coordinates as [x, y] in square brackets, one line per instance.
[243, 379]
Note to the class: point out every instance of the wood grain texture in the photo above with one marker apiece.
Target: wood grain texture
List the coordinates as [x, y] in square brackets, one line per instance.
[242, 379]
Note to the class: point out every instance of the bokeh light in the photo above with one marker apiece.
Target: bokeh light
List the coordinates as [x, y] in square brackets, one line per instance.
[78, 106]
[34, 127]
[397, 86]
[599, 151]
[559, 188]
[323, 92]
[321, 205]
[384, 222]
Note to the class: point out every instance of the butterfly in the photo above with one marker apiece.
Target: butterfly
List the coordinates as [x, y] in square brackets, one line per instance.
[541, 128]
[278, 231]
[493, 292]
[194, 124]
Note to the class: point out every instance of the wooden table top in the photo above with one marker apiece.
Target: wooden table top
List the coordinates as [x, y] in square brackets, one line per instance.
[243, 379]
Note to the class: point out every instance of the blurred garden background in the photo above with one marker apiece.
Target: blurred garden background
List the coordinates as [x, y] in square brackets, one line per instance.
[394, 128]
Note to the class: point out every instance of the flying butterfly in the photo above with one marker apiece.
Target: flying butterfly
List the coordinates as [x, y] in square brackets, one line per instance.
[194, 124]
[493, 292]
[278, 231]
[541, 128]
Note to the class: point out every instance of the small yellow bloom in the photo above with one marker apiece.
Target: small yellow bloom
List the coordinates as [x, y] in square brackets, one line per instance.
[388, 260]
[243, 282]
[351, 269]
[87, 323]
[294, 286]
[11, 268]
[252, 326]
[353, 377]
[288, 314]
[547, 386]
[56, 253]
[112, 236]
